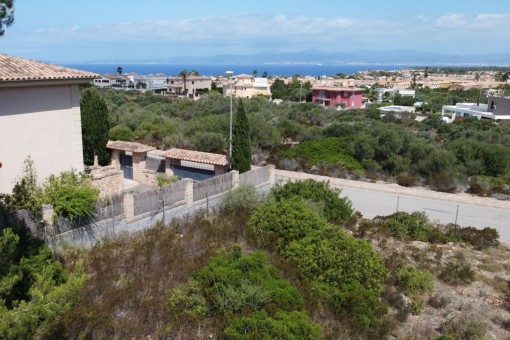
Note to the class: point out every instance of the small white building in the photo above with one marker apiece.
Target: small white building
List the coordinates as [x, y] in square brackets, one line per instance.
[39, 117]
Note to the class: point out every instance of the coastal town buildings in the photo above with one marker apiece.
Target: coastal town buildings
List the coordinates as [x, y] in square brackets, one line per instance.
[39, 118]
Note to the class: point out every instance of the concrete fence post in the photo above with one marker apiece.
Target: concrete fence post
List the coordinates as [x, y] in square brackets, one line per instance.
[129, 207]
[235, 178]
[188, 191]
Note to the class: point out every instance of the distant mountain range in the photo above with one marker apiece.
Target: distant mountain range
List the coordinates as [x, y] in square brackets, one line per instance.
[315, 56]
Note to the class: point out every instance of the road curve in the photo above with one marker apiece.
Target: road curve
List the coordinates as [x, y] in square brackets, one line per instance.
[372, 199]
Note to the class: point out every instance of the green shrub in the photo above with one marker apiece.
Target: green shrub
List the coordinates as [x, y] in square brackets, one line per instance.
[479, 186]
[36, 292]
[331, 150]
[413, 280]
[443, 181]
[244, 199]
[403, 225]
[284, 325]
[246, 282]
[336, 258]
[121, 132]
[457, 273]
[405, 180]
[71, 194]
[362, 307]
[232, 298]
[286, 220]
[479, 239]
[187, 301]
[336, 209]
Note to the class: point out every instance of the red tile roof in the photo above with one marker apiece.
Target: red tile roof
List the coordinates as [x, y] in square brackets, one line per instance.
[129, 146]
[197, 156]
[21, 69]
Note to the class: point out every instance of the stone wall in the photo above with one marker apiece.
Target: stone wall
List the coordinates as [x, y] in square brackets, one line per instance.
[108, 180]
[141, 211]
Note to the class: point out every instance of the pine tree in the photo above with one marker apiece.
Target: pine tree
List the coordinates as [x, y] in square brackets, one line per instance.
[95, 127]
[241, 144]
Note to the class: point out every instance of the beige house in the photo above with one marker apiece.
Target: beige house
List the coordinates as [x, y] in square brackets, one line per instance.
[246, 86]
[40, 117]
[191, 89]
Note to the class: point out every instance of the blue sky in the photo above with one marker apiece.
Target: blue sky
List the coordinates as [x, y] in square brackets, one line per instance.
[85, 30]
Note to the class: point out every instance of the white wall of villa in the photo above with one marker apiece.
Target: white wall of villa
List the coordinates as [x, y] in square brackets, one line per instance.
[43, 122]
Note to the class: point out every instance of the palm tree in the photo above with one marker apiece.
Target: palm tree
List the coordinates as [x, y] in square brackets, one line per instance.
[183, 75]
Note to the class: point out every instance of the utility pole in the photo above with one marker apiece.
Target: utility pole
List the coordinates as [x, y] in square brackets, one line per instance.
[229, 75]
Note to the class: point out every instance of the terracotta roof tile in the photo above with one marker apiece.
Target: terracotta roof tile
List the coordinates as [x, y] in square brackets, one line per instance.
[128, 146]
[197, 156]
[21, 69]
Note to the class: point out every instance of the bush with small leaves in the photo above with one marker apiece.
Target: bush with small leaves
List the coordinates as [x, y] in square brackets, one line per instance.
[244, 199]
[187, 301]
[283, 325]
[71, 194]
[336, 209]
[286, 220]
[457, 273]
[413, 280]
[403, 225]
[233, 283]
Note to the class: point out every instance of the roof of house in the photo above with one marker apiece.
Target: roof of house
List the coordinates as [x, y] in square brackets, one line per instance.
[129, 146]
[21, 69]
[244, 76]
[337, 88]
[197, 156]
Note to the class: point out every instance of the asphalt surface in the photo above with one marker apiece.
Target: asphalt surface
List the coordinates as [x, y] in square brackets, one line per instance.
[373, 199]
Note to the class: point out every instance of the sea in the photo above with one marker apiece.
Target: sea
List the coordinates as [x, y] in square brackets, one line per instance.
[215, 70]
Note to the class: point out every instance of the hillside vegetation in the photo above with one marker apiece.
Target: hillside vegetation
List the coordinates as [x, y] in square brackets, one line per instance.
[298, 264]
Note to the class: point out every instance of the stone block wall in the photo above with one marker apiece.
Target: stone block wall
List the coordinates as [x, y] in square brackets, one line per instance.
[108, 180]
[139, 166]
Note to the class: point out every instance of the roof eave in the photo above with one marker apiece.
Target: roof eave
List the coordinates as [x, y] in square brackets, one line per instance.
[45, 82]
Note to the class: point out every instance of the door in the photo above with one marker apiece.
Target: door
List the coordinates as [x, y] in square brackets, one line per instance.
[126, 165]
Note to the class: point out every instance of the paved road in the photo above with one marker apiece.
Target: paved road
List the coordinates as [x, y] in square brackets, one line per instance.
[372, 199]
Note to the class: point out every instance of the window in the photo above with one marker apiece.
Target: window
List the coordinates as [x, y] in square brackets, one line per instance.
[322, 93]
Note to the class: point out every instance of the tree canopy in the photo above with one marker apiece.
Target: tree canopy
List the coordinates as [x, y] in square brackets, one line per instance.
[241, 144]
[95, 127]
[6, 14]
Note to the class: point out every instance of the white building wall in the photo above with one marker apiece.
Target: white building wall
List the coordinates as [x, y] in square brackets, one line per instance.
[43, 122]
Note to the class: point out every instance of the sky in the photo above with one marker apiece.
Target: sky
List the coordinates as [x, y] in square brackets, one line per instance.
[89, 30]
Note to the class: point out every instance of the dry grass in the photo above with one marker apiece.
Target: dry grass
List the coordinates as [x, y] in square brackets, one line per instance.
[129, 278]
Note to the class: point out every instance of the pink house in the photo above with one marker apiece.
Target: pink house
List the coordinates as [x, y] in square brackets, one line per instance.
[333, 96]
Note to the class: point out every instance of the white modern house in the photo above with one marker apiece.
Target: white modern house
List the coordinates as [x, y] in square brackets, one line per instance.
[39, 117]
[498, 108]
[110, 80]
[155, 83]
